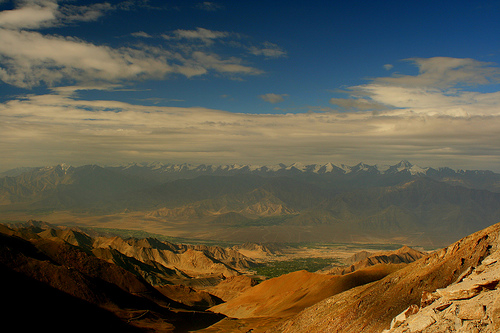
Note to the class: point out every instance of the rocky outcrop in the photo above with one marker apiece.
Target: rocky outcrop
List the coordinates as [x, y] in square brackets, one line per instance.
[257, 250]
[472, 304]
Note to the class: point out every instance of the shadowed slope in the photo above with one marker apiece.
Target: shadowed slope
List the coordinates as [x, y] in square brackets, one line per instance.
[34, 306]
[91, 284]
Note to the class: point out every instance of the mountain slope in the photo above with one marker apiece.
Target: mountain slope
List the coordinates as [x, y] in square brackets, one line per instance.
[288, 294]
[472, 304]
[72, 313]
[158, 262]
[370, 308]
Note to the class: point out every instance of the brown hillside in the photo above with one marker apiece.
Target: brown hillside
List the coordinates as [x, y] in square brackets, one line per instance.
[288, 294]
[194, 261]
[232, 287]
[370, 308]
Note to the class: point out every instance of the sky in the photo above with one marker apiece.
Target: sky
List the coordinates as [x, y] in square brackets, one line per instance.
[250, 82]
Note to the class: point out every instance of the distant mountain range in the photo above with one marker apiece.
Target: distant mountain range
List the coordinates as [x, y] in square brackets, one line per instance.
[284, 202]
[483, 179]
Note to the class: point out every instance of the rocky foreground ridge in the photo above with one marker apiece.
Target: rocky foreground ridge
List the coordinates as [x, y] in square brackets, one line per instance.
[472, 304]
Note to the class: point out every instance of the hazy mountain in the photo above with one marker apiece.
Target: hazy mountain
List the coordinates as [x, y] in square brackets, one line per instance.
[438, 211]
[63, 187]
[315, 202]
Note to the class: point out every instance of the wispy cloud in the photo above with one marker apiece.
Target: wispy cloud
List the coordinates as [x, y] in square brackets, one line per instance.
[209, 6]
[269, 50]
[48, 13]
[141, 34]
[273, 98]
[205, 35]
[32, 15]
[30, 58]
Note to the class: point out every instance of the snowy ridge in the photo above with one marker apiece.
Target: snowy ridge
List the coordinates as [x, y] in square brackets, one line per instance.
[328, 168]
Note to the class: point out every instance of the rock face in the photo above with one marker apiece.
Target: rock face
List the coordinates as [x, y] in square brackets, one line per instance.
[470, 305]
[372, 307]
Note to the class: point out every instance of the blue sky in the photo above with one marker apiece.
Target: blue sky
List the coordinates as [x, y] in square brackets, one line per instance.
[250, 82]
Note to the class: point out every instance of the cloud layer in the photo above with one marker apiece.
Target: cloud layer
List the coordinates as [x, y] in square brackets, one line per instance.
[52, 128]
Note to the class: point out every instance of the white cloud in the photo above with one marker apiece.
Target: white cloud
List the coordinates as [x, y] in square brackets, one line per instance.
[30, 58]
[33, 15]
[445, 72]
[70, 13]
[442, 87]
[357, 104]
[388, 67]
[37, 14]
[273, 98]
